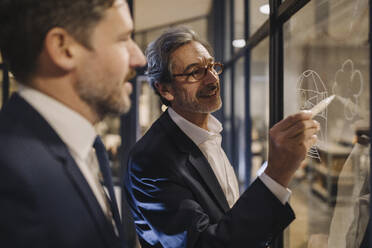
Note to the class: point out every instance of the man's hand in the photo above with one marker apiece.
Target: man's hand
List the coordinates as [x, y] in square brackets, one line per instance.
[289, 141]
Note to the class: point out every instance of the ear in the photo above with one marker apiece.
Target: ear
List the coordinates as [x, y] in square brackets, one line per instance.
[165, 91]
[61, 48]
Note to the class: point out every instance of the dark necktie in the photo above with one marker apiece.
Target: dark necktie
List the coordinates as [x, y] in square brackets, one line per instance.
[104, 166]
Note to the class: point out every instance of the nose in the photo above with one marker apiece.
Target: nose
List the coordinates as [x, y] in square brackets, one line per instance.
[210, 77]
[137, 58]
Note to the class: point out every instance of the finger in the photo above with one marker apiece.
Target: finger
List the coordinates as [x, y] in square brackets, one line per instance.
[301, 127]
[311, 141]
[304, 136]
[304, 146]
[292, 120]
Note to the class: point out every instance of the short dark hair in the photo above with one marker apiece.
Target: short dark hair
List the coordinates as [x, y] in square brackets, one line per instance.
[25, 23]
[158, 52]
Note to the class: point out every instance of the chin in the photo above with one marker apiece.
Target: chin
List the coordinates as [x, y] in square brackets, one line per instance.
[209, 109]
[126, 103]
[216, 106]
[121, 104]
[126, 107]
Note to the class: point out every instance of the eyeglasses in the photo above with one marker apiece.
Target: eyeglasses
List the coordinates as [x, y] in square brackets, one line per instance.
[200, 72]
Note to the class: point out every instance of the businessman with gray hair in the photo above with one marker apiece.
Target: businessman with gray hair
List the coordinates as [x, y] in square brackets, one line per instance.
[182, 190]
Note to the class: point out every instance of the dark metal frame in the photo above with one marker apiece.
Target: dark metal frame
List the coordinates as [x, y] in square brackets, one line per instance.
[276, 76]
[233, 133]
[276, 65]
[247, 100]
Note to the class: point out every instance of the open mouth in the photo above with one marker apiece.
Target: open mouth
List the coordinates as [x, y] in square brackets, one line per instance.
[209, 94]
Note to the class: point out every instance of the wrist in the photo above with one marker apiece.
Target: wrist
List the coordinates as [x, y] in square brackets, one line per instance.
[280, 177]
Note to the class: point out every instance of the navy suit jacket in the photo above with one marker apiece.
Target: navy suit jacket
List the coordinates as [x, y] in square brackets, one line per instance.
[176, 200]
[45, 201]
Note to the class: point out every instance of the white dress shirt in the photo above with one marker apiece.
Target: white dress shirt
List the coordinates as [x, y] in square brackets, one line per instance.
[209, 142]
[76, 132]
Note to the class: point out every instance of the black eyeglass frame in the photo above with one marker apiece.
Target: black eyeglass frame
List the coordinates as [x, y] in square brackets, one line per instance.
[206, 68]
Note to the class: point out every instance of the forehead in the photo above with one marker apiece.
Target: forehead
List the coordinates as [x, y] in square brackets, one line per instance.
[116, 20]
[122, 11]
[190, 53]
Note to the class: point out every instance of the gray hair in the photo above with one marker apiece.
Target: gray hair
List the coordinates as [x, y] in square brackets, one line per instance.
[158, 53]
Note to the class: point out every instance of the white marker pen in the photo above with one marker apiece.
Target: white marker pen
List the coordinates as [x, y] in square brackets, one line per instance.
[321, 105]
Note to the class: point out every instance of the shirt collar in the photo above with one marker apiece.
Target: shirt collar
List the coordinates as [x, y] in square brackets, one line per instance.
[197, 134]
[74, 130]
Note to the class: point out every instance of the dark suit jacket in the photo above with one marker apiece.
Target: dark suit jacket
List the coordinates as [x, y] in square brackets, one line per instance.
[45, 202]
[176, 200]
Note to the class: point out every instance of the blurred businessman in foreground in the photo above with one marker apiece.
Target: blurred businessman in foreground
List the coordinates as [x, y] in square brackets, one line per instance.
[71, 58]
[181, 187]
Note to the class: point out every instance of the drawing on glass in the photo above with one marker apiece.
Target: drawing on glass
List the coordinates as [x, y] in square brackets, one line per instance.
[348, 87]
[311, 90]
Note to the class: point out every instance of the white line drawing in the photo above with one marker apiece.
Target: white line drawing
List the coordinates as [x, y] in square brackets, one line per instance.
[311, 90]
[348, 87]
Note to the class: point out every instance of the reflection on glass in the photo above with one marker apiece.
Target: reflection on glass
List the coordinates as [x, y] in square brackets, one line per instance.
[351, 214]
[259, 83]
[327, 52]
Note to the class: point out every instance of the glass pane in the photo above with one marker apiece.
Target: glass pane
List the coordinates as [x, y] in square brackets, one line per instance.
[327, 53]
[258, 14]
[238, 41]
[259, 83]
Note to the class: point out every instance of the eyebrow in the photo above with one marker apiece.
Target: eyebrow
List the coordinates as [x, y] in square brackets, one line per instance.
[209, 60]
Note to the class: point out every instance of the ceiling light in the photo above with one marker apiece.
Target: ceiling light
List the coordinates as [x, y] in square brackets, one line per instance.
[238, 43]
[265, 9]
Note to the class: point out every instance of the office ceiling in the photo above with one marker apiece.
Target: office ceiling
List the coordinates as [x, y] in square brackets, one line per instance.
[150, 14]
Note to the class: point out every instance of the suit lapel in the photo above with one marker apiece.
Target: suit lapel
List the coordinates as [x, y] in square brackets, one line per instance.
[196, 159]
[19, 109]
[90, 200]
[202, 166]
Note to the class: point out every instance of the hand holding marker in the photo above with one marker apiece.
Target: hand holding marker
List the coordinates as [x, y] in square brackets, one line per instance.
[314, 111]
